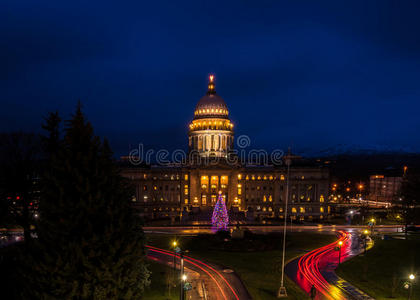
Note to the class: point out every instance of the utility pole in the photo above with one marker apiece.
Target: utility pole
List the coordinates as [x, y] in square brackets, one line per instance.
[282, 290]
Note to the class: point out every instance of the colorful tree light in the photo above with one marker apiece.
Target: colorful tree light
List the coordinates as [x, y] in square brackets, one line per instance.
[220, 218]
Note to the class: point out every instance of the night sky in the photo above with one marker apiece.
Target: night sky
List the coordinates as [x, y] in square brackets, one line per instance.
[310, 74]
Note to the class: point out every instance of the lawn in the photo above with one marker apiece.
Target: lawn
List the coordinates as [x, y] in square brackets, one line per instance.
[385, 268]
[158, 289]
[259, 270]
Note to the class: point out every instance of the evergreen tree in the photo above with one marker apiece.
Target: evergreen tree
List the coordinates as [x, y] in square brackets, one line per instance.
[91, 244]
[409, 202]
[220, 218]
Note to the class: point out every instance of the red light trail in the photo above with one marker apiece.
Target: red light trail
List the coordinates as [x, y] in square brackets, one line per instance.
[310, 264]
[202, 266]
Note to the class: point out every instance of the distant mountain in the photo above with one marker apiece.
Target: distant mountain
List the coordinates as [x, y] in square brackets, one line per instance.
[346, 149]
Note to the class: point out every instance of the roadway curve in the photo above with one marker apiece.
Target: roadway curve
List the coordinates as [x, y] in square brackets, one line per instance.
[220, 285]
[317, 268]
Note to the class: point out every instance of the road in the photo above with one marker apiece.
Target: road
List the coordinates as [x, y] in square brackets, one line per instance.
[329, 229]
[317, 268]
[220, 284]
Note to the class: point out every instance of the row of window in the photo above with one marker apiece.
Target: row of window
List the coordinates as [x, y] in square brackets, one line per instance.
[211, 110]
[259, 177]
[171, 198]
[294, 209]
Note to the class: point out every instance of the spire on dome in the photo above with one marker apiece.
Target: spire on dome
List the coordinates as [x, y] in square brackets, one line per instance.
[211, 86]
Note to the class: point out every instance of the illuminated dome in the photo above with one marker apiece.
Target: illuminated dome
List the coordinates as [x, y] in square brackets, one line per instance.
[211, 105]
[211, 132]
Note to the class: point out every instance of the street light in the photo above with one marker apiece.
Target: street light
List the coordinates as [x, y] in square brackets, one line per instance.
[184, 277]
[282, 290]
[411, 277]
[372, 224]
[365, 232]
[340, 243]
[174, 244]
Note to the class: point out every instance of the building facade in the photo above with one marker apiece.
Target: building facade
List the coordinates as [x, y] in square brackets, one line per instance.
[384, 188]
[254, 191]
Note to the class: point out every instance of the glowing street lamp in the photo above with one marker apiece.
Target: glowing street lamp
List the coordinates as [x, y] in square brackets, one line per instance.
[174, 245]
[412, 277]
[371, 224]
[409, 285]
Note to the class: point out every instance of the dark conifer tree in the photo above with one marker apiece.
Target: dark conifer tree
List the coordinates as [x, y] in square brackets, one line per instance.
[90, 243]
[409, 202]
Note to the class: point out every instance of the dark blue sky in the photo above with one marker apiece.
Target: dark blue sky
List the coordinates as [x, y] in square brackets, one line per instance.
[309, 73]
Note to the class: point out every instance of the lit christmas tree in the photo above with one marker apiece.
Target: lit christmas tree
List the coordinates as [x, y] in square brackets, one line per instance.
[220, 218]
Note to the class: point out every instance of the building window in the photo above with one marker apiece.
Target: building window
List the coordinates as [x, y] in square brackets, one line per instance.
[213, 199]
[271, 177]
[321, 199]
[239, 189]
[282, 177]
[186, 177]
[214, 182]
[186, 201]
[270, 198]
[203, 200]
[265, 198]
[239, 176]
[186, 189]
[294, 210]
[302, 209]
[204, 182]
[224, 181]
[321, 209]
[144, 187]
[155, 187]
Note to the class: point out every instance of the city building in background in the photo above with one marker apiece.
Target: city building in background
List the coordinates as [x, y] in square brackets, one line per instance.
[384, 188]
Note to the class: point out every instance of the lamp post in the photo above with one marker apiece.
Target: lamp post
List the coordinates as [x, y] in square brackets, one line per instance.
[174, 244]
[183, 281]
[340, 243]
[411, 277]
[372, 222]
[282, 290]
[181, 296]
[365, 232]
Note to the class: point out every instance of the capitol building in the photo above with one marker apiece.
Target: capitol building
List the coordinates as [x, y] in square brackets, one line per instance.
[252, 191]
